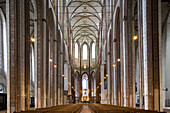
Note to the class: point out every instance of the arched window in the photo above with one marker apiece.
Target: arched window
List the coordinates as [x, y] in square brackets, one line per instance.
[76, 50]
[93, 50]
[85, 84]
[84, 52]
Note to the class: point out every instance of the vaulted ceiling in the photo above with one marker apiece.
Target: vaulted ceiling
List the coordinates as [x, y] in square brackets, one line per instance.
[84, 20]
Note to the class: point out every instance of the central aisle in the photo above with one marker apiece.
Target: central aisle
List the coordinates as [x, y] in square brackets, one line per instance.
[85, 109]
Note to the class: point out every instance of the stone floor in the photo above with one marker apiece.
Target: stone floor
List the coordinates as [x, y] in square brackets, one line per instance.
[85, 109]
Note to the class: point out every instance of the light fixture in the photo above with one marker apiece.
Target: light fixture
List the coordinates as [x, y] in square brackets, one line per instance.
[55, 66]
[118, 59]
[135, 37]
[114, 65]
[107, 75]
[62, 75]
[32, 39]
[84, 66]
[104, 77]
[51, 59]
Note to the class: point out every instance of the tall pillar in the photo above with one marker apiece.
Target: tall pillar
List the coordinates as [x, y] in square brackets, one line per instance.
[115, 78]
[55, 70]
[11, 34]
[133, 77]
[45, 56]
[124, 61]
[131, 56]
[62, 71]
[69, 80]
[151, 55]
[108, 79]
[51, 69]
[108, 70]
[21, 56]
[56, 53]
[59, 68]
[160, 56]
[39, 58]
[18, 75]
[103, 92]
[97, 82]
[66, 74]
[27, 54]
[59, 79]
[140, 49]
[1, 48]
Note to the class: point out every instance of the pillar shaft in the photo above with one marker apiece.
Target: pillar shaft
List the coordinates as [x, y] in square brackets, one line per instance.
[39, 59]
[18, 35]
[151, 55]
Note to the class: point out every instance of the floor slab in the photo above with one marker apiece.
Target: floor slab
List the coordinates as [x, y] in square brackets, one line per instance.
[85, 109]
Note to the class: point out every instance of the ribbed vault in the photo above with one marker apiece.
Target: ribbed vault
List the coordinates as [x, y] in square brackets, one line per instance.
[84, 20]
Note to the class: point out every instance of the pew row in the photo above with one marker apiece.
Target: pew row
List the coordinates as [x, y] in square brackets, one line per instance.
[104, 108]
[70, 108]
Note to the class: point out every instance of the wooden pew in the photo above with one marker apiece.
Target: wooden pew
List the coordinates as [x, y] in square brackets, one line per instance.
[71, 108]
[104, 108]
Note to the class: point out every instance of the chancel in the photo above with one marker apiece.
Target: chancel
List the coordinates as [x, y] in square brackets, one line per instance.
[84, 56]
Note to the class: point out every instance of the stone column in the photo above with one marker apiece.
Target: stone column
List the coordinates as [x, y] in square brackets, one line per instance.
[39, 58]
[103, 92]
[108, 79]
[151, 55]
[92, 87]
[124, 61]
[27, 54]
[115, 79]
[133, 77]
[131, 56]
[51, 70]
[66, 74]
[160, 55]
[11, 35]
[55, 70]
[97, 82]
[69, 80]
[45, 56]
[59, 68]
[21, 56]
[18, 75]
[140, 49]
[1, 48]
[156, 49]
[56, 53]
[59, 81]
[62, 72]
[108, 69]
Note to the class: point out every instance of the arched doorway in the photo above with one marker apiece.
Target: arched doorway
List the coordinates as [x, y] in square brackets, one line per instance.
[85, 88]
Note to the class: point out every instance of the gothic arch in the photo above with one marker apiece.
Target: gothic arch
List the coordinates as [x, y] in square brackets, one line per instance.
[4, 53]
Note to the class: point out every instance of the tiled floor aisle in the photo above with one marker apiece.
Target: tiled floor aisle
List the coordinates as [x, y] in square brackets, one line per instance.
[85, 109]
